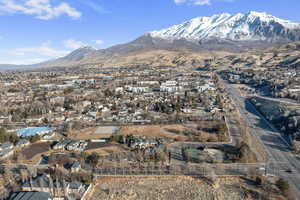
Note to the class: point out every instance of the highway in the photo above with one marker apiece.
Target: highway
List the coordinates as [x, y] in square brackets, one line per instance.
[278, 149]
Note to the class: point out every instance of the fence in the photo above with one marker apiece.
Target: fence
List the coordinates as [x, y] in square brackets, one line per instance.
[205, 170]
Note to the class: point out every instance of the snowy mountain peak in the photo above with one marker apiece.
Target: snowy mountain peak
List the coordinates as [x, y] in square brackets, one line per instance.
[251, 26]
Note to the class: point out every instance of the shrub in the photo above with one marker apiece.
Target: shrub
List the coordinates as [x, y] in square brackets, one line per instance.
[258, 180]
[7, 137]
[34, 138]
[212, 138]
[282, 184]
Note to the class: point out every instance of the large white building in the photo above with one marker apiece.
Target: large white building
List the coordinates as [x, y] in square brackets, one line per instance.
[170, 86]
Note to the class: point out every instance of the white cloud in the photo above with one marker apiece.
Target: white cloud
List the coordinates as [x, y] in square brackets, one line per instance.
[98, 42]
[200, 2]
[93, 4]
[25, 61]
[42, 50]
[193, 2]
[31, 55]
[180, 1]
[41, 9]
[73, 44]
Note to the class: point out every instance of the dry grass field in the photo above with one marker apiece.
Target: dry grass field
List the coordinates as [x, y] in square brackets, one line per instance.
[203, 131]
[107, 150]
[152, 131]
[170, 188]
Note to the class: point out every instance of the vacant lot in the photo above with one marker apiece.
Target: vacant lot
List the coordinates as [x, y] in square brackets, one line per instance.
[202, 131]
[207, 131]
[152, 131]
[167, 188]
[103, 148]
[33, 152]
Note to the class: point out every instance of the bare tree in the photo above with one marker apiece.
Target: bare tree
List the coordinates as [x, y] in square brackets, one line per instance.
[24, 175]
[4, 194]
[20, 157]
[7, 175]
[211, 176]
[32, 171]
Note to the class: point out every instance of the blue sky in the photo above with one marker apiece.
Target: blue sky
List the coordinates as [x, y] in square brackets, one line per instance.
[37, 30]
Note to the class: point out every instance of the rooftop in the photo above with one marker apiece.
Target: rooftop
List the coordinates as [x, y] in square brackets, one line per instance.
[30, 196]
[26, 132]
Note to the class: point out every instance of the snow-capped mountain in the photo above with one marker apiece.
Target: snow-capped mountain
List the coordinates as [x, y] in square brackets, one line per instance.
[251, 26]
[219, 33]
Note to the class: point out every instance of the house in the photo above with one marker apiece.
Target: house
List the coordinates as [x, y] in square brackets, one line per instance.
[234, 76]
[73, 167]
[57, 100]
[143, 143]
[30, 196]
[169, 83]
[47, 86]
[119, 90]
[6, 150]
[61, 144]
[35, 120]
[70, 145]
[76, 187]
[205, 87]
[139, 90]
[44, 183]
[48, 136]
[57, 117]
[76, 145]
[5, 153]
[4, 119]
[4, 146]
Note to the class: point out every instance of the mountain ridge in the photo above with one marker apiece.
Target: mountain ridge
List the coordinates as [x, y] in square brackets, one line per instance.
[251, 26]
[224, 32]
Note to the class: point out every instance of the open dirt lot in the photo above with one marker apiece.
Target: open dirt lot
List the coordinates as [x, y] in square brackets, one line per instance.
[167, 188]
[104, 148]
[33, 152]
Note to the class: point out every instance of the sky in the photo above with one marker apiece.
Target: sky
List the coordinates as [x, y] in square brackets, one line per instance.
[33, 31]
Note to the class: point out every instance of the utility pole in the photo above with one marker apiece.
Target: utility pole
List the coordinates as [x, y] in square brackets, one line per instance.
[266, 166]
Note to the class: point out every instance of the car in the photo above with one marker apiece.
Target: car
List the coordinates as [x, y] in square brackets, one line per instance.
[262, 169]
[289, 171]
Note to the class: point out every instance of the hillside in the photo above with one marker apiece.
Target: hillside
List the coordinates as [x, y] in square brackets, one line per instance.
[187, 44]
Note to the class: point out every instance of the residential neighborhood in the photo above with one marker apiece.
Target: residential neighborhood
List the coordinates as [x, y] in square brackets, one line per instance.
[149, 100]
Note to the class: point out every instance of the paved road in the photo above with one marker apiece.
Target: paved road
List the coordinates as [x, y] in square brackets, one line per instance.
[278, 150]
[280, 100]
